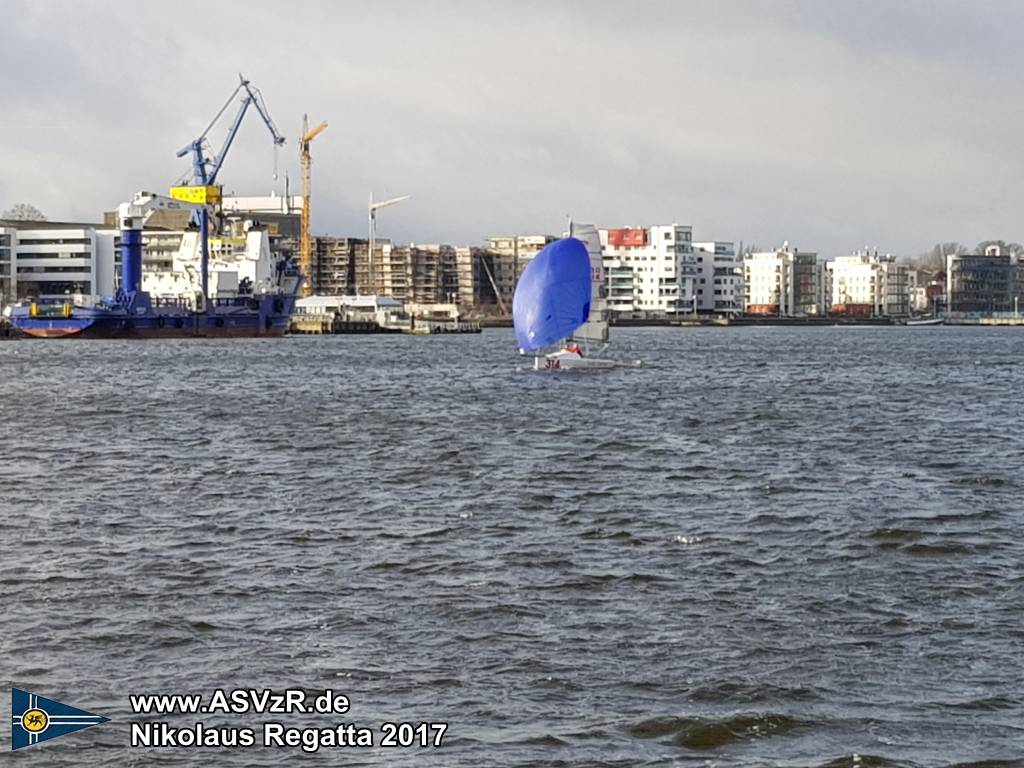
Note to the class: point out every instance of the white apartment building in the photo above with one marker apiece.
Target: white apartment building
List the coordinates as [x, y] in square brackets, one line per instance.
[7, 267]
[719, 278]
[858, 285]
[51, 261]
[785, 282]
[868, 285]
[650, 271]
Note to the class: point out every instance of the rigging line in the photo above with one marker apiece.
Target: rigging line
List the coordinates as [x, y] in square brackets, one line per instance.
[217, 117]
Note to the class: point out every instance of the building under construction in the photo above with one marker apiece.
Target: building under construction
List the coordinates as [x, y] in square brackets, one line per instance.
[421, 274]
[477, 279]
[333, 267]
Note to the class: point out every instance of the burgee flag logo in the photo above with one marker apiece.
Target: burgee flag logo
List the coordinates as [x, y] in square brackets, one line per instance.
[36, 719]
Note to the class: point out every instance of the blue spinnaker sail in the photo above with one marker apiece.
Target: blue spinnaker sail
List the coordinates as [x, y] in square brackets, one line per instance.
[552, 297]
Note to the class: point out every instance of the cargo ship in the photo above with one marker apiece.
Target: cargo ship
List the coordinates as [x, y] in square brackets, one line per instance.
[252, 293]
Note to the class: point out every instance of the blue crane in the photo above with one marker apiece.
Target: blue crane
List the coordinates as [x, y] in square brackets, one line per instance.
[205, 169]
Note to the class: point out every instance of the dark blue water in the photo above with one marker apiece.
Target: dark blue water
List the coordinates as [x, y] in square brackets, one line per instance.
[768, 547]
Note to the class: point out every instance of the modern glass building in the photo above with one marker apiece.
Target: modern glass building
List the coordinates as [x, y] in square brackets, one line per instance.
[984, 283]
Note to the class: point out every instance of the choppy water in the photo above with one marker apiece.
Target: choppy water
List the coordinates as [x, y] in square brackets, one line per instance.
[786, 547]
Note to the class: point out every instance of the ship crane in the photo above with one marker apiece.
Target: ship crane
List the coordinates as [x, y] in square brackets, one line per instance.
[205, 169]
[133, 214]
[305, 241]
[132, 218]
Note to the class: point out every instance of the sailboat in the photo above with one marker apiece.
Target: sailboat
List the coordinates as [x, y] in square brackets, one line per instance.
[559, 301]
[935, 319]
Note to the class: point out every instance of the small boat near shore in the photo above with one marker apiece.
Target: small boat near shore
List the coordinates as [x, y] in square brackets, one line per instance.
[925, 321]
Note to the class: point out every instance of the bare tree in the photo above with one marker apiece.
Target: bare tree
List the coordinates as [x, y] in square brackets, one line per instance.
[23, 212]
[935, 259]
[1014, 249]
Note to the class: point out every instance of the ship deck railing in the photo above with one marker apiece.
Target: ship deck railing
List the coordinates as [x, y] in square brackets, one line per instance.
[235, 301]
[171, 302]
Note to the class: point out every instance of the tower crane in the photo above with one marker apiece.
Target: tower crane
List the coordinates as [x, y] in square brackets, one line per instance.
[305, 242]
[201, 188]
[371, 215]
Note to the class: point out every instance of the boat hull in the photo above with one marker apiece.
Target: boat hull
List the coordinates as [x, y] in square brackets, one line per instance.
[582, 364]
[264, 317]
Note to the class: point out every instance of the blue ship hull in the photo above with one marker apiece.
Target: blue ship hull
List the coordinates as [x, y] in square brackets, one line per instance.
[227, 318]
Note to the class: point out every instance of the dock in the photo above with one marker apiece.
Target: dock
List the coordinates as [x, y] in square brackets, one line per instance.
[8, 331]
[321, 325]
[307, 324]
[983, 320]
[432, 327]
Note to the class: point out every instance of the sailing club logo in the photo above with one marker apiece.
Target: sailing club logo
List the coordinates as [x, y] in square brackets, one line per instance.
[35, 719]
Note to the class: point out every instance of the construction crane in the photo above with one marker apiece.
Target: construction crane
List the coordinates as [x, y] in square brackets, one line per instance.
[205, 168]
[497, 294]
[371, 214]
[305, 241]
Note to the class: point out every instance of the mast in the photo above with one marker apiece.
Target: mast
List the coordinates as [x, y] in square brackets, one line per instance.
[595, 329]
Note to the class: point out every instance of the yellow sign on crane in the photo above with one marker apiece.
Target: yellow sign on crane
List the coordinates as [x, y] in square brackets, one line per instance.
[209, 195]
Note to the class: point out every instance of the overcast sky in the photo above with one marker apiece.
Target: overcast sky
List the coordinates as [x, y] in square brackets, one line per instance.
[831, 124]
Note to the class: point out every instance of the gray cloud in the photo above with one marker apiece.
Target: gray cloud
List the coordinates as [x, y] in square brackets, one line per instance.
[831, 124]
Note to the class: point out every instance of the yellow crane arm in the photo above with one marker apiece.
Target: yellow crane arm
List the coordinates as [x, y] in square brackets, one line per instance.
[314, 132]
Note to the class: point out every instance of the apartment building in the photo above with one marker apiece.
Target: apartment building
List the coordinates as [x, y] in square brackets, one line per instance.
[650, 270]
[718, 281]
[984, 283]
[42, 260]
[7, 265]
[866, 285]
[785, 282]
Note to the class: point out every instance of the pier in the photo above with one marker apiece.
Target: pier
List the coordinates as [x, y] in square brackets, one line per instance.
[8, 331]
[432, 327]
[307, 324]
[324, 324]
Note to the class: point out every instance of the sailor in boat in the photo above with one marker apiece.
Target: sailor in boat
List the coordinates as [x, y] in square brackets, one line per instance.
[573, 349]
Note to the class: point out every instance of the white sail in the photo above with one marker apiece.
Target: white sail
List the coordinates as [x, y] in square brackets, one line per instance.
[595, 330]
